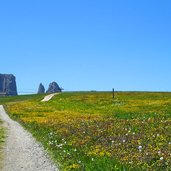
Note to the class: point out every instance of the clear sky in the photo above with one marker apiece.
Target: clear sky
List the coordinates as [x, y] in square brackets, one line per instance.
[87, 44]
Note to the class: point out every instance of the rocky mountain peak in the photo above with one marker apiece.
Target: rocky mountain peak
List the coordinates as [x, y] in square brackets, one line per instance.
[8, 85]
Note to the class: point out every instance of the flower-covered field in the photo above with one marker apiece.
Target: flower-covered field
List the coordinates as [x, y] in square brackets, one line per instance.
[92, 131]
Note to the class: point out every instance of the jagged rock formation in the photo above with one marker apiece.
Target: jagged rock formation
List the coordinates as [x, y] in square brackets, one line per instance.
[7, 85]
[53, 88]
[41, 89]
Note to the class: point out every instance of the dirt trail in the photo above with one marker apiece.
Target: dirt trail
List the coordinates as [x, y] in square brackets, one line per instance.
[22, 152]
[48, 97]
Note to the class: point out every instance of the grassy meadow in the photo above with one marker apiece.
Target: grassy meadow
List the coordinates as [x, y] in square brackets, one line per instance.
[91, 131]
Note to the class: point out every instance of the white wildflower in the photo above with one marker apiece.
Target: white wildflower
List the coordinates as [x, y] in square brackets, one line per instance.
[159, 152]
[139, 147]
[161, 158]
[59, 146]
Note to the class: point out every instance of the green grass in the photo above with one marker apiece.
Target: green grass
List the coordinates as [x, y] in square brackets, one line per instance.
[2, 137]
[91, 131]
[7, 99]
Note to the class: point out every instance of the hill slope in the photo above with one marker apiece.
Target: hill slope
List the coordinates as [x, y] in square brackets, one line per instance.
[92, 131]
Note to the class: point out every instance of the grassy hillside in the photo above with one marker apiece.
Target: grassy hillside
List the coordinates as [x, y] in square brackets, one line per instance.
[92, 131]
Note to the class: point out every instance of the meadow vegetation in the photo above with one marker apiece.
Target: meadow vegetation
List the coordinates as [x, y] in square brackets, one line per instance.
[91, 131]
[2, 137]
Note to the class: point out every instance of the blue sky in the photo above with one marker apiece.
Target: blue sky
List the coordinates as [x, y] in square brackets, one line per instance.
[87, 44]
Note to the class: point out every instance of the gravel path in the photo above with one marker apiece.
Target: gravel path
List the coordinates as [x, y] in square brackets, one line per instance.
[22, 152]
[48, 97]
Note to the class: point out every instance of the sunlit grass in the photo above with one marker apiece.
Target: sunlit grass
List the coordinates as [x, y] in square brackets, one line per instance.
[92, 131]
[2, 137]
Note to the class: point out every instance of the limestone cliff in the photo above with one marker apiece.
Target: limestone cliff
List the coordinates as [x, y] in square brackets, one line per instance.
[8, 85]
[41, 89]
[53, 88]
